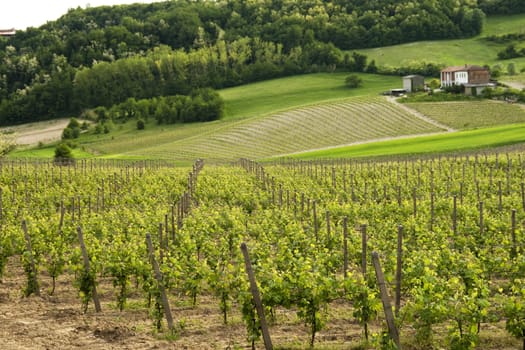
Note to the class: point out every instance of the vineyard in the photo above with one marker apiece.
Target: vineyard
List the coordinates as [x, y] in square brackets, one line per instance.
[146, 254]
[325, 125]
[469, 115]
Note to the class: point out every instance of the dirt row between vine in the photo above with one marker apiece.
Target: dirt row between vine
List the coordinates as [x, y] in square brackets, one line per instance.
[57, 322]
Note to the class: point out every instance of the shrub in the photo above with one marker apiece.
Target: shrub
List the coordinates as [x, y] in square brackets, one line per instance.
[73, 123]
[511, 69]
[67, 134]
[63, 154]
[140, 124]
[353, 81]
[99, 128]
[70, 133]
[455, 89]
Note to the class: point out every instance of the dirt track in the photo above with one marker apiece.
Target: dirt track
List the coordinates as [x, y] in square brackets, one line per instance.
[45, 132]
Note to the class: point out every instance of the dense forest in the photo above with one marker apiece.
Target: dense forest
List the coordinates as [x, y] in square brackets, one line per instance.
[103, 56]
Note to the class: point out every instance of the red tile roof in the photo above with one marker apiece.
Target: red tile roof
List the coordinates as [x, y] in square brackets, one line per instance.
[467, 67]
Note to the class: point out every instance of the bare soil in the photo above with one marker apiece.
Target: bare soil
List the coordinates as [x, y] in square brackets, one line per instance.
[57, 322]
[39, 132]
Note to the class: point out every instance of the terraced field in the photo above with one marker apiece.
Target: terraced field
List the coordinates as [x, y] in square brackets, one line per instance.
[321, 126]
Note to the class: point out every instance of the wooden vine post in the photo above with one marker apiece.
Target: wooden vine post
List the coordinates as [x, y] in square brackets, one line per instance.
[1, 205]
[314, 210]
[158, 277]
[481, 222]
[363, 248]
[399, 268]
[33, 280]
[256, 298]
[87, 267]
[345, 247]
[414, 202]
[513, 249]
[385, 299]
[455, 216]
[328, 233]
[522, 186]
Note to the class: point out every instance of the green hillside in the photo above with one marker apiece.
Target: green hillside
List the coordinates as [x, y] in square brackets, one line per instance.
[476, 50]
[273, 117]
[317, 111]
[326, 125]
[270, 96]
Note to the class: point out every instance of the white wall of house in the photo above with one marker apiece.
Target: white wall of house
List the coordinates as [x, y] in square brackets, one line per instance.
[461, 78]
[447, 79]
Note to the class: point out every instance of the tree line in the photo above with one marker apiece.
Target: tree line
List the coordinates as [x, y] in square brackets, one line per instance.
[200, 106]
[164, 71]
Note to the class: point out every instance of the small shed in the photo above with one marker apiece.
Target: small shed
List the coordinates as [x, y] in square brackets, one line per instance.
[412, 83]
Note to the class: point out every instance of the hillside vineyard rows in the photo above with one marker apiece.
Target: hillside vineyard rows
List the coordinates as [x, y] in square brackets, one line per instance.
[353, 120]
[454, 225]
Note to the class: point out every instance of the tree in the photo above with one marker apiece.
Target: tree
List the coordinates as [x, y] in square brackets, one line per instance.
[372, 68]
[67, 134]
[353, 81]
[63, 154]
[359, 62]
[7, 143]
[434, 84]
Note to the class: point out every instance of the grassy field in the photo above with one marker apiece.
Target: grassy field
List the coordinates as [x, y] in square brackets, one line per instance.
[271, 96]
[496, 25]
[442, 143]
[454, 52]
[47, 152]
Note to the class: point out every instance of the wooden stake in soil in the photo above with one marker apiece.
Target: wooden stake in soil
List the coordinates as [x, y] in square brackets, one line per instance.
[328, 233]
[314, 210]
[522, 196]
[414, 202]
[513, 249]
[399, 267]
[158, 277]
[363, 249]
[455, 216]
[33, 282]
[256, 298]
[345, 247]
[481, 223]
[385, 299]
[85, 256]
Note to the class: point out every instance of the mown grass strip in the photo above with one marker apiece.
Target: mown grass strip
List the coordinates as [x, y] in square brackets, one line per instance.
[449, 142]
[47, 152]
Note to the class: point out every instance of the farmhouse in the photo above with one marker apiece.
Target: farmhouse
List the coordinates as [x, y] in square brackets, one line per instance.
[473, 78]
[7, 32]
